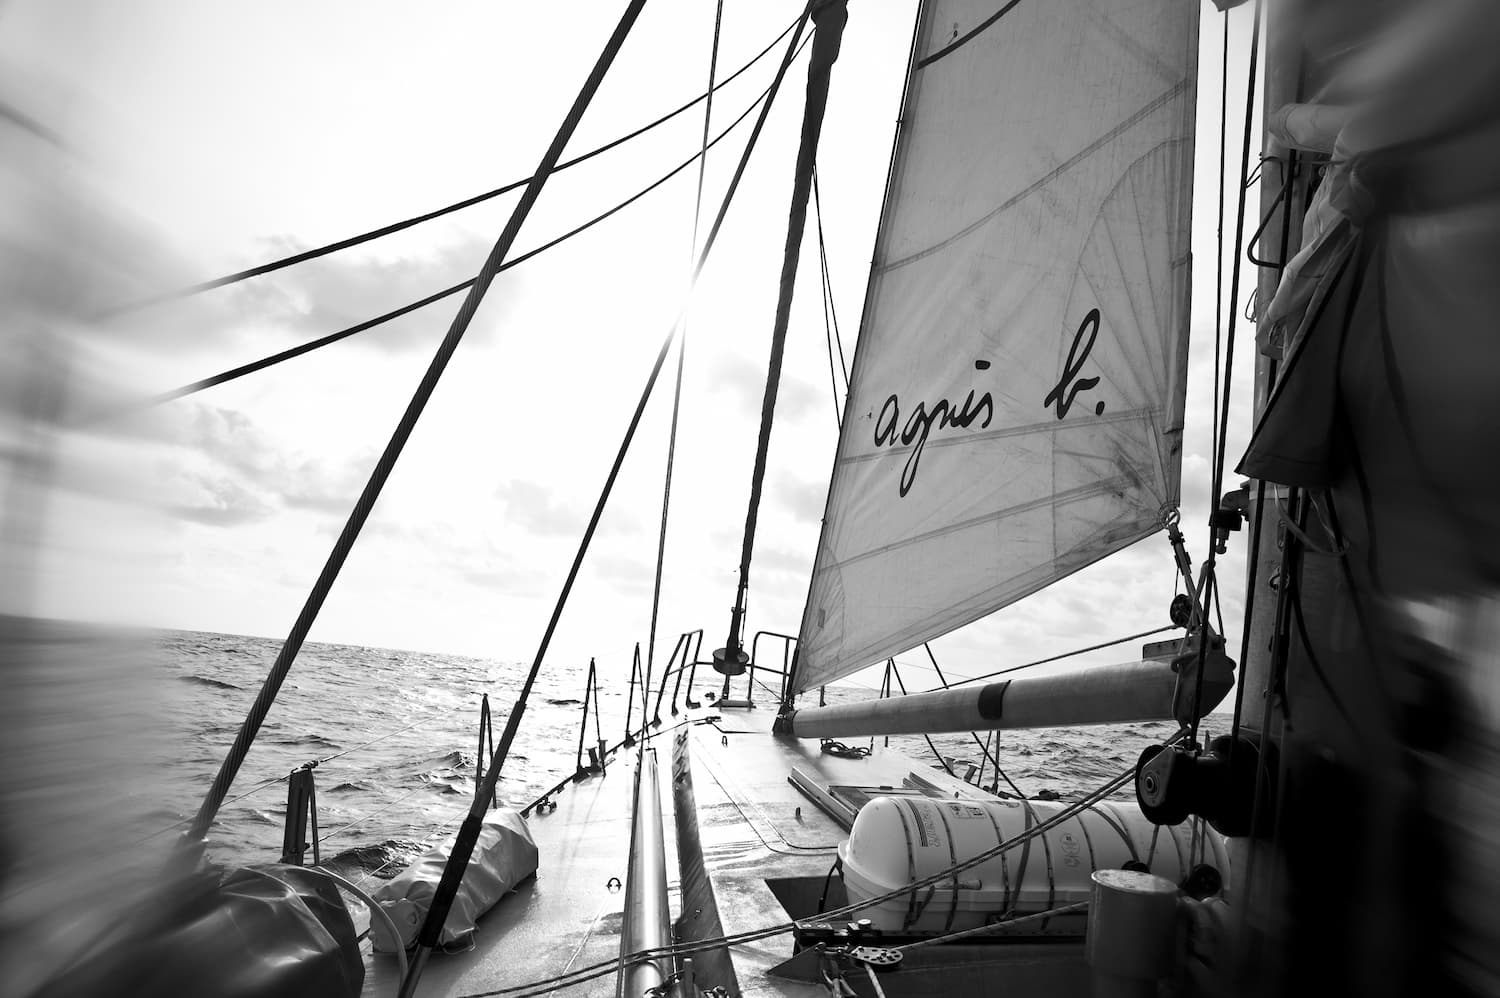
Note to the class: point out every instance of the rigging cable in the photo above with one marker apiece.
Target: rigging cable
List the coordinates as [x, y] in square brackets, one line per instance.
[468, 832]
[830, 315]
[1067, 654]
[425, 388]
[984, 746]
[1219, 259]
[331, 338]
[385, 230]
[1221, 443]
[666, 489]
[930, 744]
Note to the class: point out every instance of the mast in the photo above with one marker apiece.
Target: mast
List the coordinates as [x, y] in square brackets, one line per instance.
[829, 17]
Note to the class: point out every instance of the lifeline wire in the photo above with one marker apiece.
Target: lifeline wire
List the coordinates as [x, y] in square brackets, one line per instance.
[385, 230]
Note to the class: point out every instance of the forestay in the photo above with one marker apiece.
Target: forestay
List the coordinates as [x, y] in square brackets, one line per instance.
[1016, 404]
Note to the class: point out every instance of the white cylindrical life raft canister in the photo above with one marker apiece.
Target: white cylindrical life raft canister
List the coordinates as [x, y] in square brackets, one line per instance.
[896, 841]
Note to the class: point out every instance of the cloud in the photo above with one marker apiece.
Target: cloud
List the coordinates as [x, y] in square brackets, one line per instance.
[221, 502]
[232, 439]
[625, 573]
[323, 296]
[509, 579]
[438, 545]
[787, 560]
[805, 500]
[228, 472]
[319, 488]
[343, 290]
[747, 382]
[531, 507]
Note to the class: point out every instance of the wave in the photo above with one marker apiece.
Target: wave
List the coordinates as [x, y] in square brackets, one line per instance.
[217, 684]
[318, 741]
[449, 760]
[383, 859]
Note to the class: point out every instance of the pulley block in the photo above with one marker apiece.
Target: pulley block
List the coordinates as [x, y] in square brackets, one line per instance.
[1174, 782]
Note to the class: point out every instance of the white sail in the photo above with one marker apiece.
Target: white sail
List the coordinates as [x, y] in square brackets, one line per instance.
[1016, 405]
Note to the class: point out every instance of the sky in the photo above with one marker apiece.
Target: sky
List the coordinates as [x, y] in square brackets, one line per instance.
[198, 138]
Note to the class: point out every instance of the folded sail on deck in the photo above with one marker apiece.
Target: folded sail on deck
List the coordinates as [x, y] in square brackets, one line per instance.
[1016, 405]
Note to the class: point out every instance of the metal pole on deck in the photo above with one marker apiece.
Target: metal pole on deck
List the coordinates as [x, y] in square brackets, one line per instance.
[647, 921]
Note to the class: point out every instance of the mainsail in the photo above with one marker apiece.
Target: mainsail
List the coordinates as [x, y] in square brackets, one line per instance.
[1015, 411]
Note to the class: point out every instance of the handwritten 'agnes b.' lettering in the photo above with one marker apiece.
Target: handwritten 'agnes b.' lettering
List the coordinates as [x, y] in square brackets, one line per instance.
[1062, 396]
[919, 426]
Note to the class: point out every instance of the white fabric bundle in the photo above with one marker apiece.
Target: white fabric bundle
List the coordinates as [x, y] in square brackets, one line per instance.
[504, 856]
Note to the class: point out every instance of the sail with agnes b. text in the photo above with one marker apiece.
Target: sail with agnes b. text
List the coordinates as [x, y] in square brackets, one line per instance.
[1016, 405]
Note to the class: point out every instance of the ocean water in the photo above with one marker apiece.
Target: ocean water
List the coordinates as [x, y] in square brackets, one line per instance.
[398, 735]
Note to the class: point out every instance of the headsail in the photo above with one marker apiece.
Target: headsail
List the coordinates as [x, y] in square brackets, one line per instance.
[1016, 405]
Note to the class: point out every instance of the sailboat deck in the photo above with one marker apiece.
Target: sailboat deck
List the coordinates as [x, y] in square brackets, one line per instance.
[756, 829]
[563, 918]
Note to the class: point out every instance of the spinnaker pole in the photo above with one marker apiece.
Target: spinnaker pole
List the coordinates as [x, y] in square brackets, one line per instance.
[1129, 692]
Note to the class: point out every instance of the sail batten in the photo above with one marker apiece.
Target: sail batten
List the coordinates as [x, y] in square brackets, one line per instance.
[1015, 410]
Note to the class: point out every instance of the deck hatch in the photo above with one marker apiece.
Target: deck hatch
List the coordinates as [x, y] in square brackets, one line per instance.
[842, 801]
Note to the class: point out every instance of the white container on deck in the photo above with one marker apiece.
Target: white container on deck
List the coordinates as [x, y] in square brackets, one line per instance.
[898, 840]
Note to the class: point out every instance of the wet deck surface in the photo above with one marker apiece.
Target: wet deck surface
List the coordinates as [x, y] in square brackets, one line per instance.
[755, 826]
